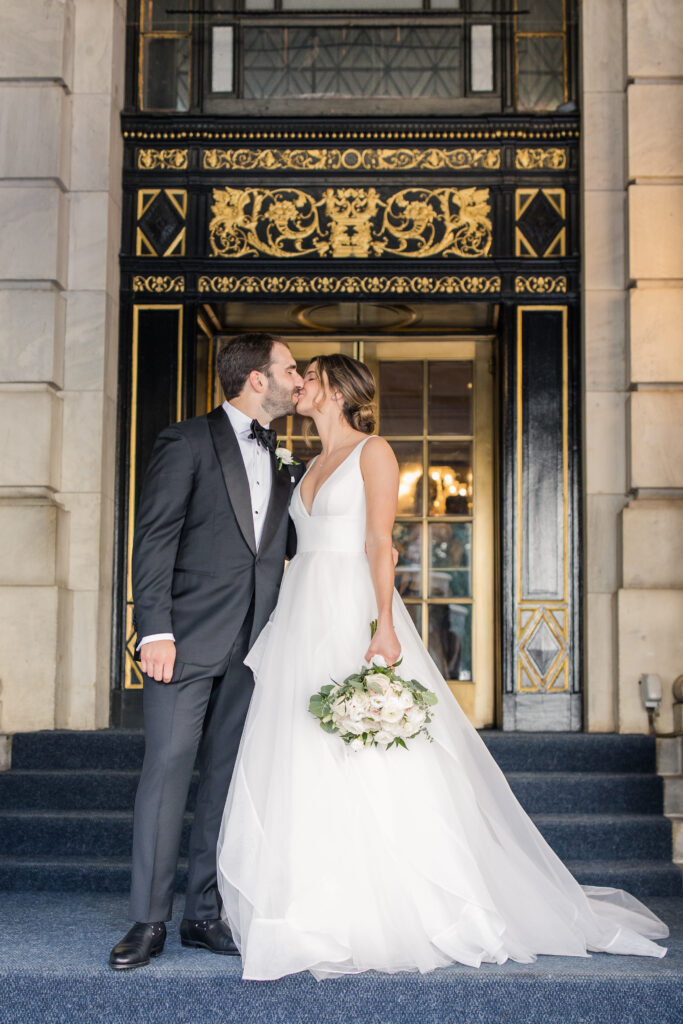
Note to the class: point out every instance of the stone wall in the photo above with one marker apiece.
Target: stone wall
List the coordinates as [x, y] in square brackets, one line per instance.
[61, 71]
[61, 82]
[632, 55]
[650, 600]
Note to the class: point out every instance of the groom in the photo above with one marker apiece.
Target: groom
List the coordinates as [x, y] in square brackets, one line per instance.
[211, 538]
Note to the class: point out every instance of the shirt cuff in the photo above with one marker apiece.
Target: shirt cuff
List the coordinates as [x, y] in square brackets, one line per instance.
[155, 636]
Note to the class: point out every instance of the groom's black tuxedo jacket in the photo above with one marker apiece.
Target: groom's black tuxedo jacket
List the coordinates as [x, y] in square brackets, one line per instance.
[195, 564]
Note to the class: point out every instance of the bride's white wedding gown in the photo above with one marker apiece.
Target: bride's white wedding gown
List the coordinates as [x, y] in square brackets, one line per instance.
[340, 862]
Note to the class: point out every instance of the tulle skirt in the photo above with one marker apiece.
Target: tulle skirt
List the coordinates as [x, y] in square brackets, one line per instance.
[338, 862]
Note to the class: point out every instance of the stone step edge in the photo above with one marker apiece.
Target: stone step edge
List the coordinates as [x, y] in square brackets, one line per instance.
[70, 773]
[7, 860]
[543, 818]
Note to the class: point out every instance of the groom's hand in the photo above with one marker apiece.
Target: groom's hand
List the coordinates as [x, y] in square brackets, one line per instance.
[157, 659]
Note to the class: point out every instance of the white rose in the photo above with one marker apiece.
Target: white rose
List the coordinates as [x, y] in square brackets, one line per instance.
[356, 745]
[392, 711]
[350, 725]
[355, 708]
[416, 716]
[383, 736]
[285, 456]
[405, 699]
[379, 679]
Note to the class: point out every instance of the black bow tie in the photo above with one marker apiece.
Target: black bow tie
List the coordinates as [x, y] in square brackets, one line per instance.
[263, 436]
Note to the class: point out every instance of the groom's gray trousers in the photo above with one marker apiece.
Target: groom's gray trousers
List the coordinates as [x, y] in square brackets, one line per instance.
[202, 711]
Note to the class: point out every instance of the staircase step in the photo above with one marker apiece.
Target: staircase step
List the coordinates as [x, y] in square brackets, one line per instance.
[105, 834]
[641, 878]
[83, 874]
[514, 752]
[538, 792]
[114, 749]
[606, 837]
[570, 752]
[73, 790]
[587, 792]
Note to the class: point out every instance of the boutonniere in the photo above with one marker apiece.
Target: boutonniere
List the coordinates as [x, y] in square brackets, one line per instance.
[285, 458]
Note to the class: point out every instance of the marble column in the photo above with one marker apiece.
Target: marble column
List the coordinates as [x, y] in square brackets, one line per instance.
[60, 169]
[604, 338]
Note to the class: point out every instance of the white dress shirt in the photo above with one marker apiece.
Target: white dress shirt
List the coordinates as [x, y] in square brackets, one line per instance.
[259, 469]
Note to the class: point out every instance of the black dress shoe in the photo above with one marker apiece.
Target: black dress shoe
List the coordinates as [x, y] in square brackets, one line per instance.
[138, 945]
[214, 935]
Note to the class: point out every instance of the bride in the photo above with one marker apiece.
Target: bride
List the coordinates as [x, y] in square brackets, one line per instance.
[336, 861]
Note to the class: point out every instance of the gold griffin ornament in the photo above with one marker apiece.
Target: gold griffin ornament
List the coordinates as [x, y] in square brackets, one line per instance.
[344, 223]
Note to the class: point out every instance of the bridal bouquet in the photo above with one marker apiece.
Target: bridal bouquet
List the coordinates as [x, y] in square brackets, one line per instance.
[374, 706]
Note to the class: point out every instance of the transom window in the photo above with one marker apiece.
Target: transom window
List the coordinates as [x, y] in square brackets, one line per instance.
[437, 56]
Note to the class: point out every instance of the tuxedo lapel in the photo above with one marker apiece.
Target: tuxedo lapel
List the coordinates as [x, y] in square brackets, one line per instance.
[280, 493]
[234, 472]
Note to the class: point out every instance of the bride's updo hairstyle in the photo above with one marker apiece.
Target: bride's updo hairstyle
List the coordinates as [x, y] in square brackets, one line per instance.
[354, 382]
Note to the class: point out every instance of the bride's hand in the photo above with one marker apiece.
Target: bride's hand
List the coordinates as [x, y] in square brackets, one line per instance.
[385, 644]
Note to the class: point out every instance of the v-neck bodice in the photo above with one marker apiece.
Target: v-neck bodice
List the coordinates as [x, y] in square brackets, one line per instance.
[336, 521]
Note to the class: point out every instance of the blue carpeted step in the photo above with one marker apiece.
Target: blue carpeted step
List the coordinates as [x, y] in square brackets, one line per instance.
[587, 792]
[607, 837]
[641, 878]
[113, 749]
[72, 874]
[72, 790]
[571, 752]
[539, 793]
[109, 834]
[83, 874]
[53, 971]
[515, 752]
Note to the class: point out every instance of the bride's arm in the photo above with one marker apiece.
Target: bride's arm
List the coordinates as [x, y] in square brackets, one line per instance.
[380, 475]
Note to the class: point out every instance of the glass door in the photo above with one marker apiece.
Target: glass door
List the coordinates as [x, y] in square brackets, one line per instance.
[435, 407]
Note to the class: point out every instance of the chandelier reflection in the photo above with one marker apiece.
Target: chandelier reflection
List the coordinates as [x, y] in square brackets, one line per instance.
[450, 490]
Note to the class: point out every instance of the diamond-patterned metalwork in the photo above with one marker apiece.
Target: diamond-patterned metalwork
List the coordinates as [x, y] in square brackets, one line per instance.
[161, 222]
[387, 61]
[540, 222]
[542, 660]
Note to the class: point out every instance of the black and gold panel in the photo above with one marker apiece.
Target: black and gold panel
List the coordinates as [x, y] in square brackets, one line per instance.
[419, 223]
[540, 539]
[154, 367]
[471, 207]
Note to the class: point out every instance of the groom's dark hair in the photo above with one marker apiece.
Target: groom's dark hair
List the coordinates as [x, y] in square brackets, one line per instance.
[242, 355]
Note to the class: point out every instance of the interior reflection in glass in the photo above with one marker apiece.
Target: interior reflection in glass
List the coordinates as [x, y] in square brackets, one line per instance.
[450, 639]
[408, 543]
[450, 560]
[450, 397]
[409, 456]
[400, 398]
[450, 478]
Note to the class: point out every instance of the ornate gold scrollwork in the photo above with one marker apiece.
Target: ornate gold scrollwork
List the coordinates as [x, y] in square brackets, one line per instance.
[541, 285]
[350, 222]
[350, 284]
[158, 283]
[390, 159]
[162, 159]
[550, 158]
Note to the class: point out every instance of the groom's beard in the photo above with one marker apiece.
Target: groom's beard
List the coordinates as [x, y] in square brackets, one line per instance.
[279, 401]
